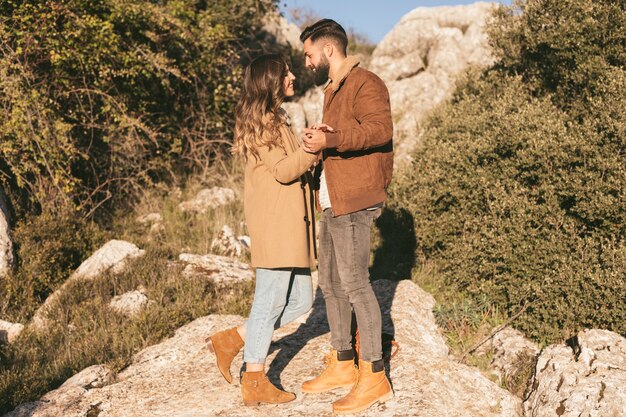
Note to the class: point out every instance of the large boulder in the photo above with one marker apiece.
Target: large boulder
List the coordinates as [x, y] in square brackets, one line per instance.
[585, 378]
[420, 58]
[297, 116]
[306, 111]
[281, 31]
[179, 377]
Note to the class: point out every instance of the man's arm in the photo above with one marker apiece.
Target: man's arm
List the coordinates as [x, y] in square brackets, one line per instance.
[373, 111]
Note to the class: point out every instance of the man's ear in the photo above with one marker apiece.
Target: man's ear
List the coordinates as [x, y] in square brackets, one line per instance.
[329, 49]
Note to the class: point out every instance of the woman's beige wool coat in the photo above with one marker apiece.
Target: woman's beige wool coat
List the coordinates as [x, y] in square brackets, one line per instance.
[278, 204]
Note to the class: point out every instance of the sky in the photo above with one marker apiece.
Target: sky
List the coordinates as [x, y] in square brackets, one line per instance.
[373, 18]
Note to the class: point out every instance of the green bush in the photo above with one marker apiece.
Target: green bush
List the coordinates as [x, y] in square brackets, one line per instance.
[562, 47]
[515, 202]
[49, 248]
[101, 97]
[518, 187]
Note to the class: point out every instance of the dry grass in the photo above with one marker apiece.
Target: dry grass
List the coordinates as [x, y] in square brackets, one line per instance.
[85, 331]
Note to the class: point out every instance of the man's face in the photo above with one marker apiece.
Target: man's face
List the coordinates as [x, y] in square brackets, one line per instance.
[316, 61]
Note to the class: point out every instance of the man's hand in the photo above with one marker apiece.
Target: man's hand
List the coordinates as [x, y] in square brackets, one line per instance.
[314, 138]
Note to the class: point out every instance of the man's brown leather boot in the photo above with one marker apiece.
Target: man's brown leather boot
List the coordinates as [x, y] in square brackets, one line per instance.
[226, 345]
[340, 372]
[371, 387]
[256, 389]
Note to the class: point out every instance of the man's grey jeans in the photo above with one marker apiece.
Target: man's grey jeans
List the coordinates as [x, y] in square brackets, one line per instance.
[344, 253]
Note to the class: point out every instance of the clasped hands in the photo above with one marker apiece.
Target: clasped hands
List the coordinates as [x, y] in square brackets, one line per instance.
[314, 137]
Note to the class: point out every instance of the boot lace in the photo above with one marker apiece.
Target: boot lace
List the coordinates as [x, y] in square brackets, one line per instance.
[329, 361]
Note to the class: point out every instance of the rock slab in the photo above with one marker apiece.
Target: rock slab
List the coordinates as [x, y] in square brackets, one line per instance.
[588, 379]
[219, 269]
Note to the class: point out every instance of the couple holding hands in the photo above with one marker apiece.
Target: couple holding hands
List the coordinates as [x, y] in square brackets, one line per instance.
[353, 148]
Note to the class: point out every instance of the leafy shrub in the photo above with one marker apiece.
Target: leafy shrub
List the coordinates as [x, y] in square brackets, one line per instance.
[101, 97]
[50, 247]
[518, 188]
[564, 48]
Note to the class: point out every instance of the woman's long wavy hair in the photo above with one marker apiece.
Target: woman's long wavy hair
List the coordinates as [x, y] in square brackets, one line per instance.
[262, 96]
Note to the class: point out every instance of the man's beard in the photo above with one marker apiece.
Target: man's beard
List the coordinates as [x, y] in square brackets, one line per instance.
[321, 71]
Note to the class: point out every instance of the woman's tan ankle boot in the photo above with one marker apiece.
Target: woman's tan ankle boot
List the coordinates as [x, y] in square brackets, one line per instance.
[226, 345]
[256, 389]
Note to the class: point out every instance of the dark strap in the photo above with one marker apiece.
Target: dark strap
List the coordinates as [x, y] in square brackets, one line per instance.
[305, 179]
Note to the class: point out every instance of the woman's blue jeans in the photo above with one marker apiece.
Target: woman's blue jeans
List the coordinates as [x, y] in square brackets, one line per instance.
[280, 296]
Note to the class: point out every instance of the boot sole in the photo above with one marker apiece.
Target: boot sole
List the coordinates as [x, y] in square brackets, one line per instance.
[257, 403]
[380, 400]
[319, 391]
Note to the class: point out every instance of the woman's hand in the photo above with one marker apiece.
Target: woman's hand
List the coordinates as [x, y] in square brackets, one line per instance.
[314, 138]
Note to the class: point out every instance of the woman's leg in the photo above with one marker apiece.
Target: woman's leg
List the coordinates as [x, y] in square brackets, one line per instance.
[300, 296]
[270, 298]
[300, 299]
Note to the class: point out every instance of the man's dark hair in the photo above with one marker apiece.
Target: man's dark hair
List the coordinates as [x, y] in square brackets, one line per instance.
[326, 28]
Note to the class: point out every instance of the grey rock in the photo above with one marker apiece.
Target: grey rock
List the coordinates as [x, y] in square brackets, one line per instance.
[283, 32]
[227, 244]
[420, 59]
[113, 256]
[297, 117]
[96, 376]
[218, 269]
[512, 354]
[130, 304]
[313, 105]
[209, 198]
[9, 331]
[589, 380]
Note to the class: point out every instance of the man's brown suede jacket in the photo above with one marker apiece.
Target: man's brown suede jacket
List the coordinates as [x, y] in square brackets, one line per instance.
[359, 159]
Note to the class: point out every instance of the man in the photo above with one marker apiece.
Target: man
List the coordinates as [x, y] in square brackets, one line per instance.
[356, 140]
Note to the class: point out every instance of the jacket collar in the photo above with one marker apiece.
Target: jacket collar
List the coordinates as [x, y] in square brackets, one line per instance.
[342, 72]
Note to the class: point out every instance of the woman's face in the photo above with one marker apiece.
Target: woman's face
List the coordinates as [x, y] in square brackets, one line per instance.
[288, 83]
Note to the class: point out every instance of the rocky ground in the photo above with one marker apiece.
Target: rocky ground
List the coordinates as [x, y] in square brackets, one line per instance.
[178, 377]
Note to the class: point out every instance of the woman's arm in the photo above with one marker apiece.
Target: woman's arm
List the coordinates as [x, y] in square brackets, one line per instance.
[286, 168]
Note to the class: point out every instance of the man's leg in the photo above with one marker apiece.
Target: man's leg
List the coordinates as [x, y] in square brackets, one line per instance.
[340, 370]
[338, 308]
[351, 239]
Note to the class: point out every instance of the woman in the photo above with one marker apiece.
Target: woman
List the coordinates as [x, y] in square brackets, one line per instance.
[278, 208]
